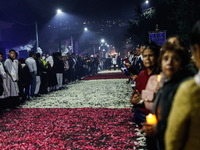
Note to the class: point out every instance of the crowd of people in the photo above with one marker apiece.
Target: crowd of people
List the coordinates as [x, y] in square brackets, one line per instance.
[165, 80]
[111, 62]
[24, 79]
[167, 85]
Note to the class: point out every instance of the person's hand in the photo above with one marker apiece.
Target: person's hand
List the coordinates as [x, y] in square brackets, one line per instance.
[127, 65]
[136, 98]
[150, 130]
[133, 77]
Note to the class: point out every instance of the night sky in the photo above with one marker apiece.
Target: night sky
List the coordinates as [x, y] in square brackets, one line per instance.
[24, 13]
[27, 11]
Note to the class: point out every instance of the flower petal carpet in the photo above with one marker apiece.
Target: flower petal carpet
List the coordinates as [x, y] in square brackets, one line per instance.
[88, 115]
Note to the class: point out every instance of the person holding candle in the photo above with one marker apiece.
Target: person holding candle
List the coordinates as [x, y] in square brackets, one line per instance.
[183, 132]
[150, 57]
[174, 60]
[150, 60]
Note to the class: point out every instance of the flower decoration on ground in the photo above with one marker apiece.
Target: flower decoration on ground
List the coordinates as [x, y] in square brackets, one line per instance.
[77, 128]
[92, 93]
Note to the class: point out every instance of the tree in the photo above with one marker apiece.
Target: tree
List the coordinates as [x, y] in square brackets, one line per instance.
[141, 25]
[175, 16]
[180, 16]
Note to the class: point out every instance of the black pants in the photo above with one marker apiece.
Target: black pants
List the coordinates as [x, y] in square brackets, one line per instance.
[44, 84]
[21, 87]
[114, 67]
[33, 83]
[27, 87]
[12, 102]
[151, 143]
[3, 104]
[73, 75]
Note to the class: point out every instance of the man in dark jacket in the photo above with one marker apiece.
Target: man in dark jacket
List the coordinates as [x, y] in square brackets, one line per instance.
[40, 68]
[26, 78]
[59, 69]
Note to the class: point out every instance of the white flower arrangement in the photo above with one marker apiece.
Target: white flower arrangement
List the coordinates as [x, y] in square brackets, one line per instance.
[113, 93]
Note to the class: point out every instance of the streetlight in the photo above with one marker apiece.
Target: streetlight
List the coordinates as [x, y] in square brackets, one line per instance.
[59, 12]
[36, 31]
[147, 1]
[103, 50]
[85, 29]
[102, 41]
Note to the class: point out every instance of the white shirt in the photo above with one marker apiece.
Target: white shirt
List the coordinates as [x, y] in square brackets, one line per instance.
[114, 61]
[4, 78]
[140, 56]
[31, 63]
[14, 70]
[131, 59]
[2, 71]
[50, 60]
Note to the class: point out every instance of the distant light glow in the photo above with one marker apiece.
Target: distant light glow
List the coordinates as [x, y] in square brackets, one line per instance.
[102, 41]
[27, 46]
[147, 1]
[59, 11]
[85, 29]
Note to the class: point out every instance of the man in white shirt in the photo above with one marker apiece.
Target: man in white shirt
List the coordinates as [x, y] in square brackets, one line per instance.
[114, 62]
[131, 58]
[11, 67]
[31, 63]
[3, 75]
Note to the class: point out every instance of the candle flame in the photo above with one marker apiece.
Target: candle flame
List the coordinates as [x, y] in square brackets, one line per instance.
[150, 115]
[151, 119]
[159, 78]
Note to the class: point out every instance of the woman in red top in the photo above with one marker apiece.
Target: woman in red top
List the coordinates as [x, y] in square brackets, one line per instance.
[150, 59]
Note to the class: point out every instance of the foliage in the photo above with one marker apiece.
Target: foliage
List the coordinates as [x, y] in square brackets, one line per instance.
[141, 25]
[175, 16]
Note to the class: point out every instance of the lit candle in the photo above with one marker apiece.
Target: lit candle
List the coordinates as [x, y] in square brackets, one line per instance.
[151, 119]
[137, 92]
[158, 78]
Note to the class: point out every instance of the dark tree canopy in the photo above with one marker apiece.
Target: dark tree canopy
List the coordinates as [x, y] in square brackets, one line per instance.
[175, 16]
